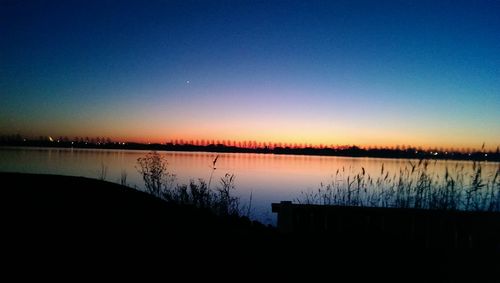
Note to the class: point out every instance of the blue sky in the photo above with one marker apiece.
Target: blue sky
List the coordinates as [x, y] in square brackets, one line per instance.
[333, 72]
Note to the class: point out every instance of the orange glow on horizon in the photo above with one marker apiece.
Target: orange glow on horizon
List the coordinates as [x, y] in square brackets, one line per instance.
[316, 145]
[282, 138]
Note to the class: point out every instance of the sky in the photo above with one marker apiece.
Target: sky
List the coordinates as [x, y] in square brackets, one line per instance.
[370, 73]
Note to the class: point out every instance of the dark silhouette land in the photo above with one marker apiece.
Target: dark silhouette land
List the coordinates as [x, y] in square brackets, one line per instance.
[72, 218]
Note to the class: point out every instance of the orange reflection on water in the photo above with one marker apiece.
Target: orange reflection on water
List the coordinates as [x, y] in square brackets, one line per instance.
[270, 178]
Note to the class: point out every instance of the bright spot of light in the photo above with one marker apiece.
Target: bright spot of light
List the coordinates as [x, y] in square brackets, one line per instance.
[51, 139]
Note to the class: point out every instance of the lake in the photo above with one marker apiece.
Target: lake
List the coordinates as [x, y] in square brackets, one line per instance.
[267, 177]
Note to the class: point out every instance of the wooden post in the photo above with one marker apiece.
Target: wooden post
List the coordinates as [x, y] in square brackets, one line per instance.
[285, 215]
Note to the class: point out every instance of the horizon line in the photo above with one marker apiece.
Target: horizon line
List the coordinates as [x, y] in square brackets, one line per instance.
[251, 144]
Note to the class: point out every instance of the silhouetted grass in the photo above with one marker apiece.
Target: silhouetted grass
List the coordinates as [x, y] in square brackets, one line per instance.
[414, 186]
[159, 182]
[103, 172]
[123, 177]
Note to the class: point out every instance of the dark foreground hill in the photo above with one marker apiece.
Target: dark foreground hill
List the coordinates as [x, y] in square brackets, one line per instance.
[75, 210]
[57, 221]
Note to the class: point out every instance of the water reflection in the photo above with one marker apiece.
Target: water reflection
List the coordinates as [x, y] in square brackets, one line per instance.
[271, 178]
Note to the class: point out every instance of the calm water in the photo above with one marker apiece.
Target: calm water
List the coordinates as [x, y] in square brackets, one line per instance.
[270, 178]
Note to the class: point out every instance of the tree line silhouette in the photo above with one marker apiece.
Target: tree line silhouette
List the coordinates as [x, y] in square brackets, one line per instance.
[212, 145]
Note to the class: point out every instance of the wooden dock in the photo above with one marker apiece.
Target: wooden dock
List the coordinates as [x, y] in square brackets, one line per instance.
[396, 226]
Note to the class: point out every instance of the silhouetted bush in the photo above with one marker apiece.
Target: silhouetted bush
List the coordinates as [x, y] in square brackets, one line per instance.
[159, 182]
[153, 169]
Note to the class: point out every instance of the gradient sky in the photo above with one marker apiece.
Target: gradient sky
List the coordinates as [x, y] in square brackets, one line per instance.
[425, 73]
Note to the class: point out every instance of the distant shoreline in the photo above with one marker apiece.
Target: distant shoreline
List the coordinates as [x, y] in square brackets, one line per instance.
[308, 151]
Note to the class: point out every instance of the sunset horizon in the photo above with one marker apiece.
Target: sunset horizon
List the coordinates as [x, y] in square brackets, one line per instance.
[347, 73]
[298, 140]
[246, 144]
[330, 138]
